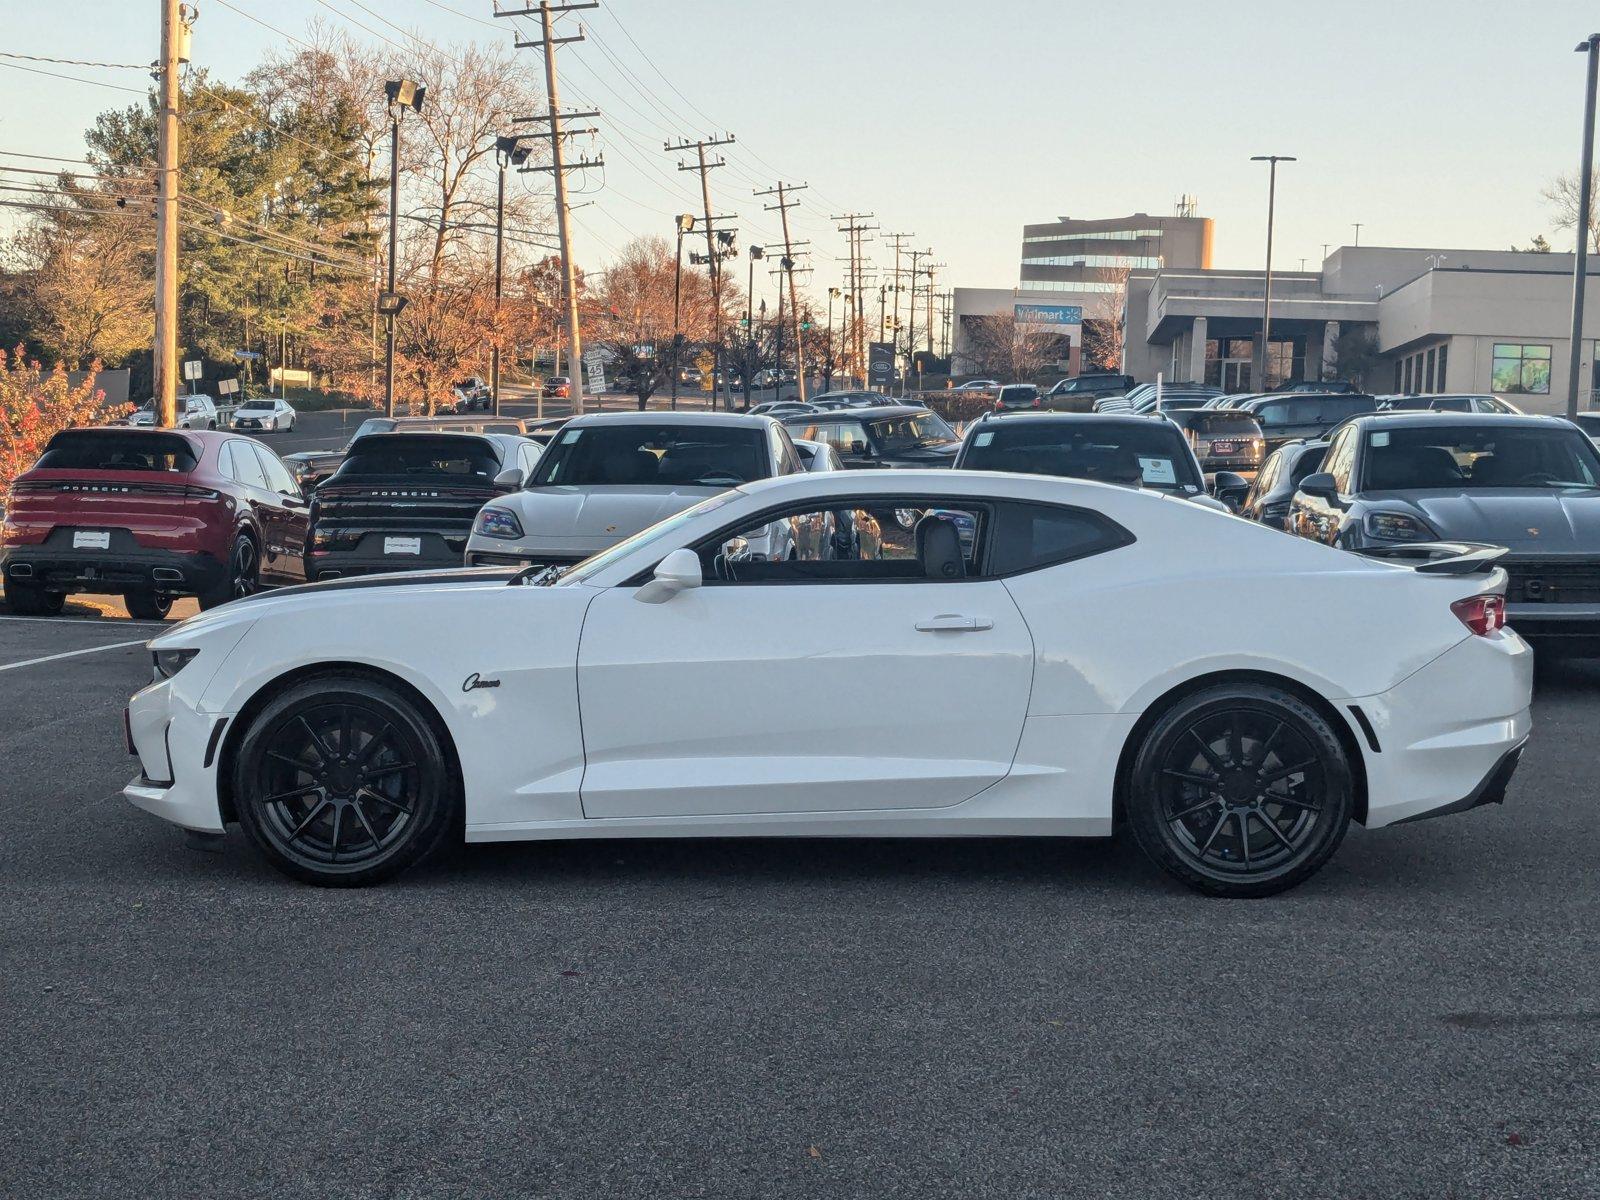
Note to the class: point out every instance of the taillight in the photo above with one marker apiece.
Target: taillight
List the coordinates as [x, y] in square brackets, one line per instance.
[1481, 614]
[201, 493]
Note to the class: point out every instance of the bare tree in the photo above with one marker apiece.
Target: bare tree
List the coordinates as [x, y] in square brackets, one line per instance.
[1104, 332]
[1563, 196]
[1009, 349]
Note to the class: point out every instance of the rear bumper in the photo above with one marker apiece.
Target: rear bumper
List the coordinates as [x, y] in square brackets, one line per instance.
[1444, 733]
[343, 565]
[117, 570]
[1490, 790]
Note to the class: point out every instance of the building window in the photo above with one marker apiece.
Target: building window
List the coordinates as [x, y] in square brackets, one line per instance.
[1069, 285]
[1433, 359]
[1100, 235]
[1409, 362]
[1521, 369]
[1444, 362]
[1399, 368]
[1134, 262]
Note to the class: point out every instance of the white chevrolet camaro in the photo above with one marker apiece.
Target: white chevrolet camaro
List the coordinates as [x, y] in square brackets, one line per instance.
[1094, 655]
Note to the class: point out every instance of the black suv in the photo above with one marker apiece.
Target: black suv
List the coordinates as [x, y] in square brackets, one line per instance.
[901, 436]
[1293, 416]
[1224, 439]
[1270, 495]
[1530, 484]
[1135, 451]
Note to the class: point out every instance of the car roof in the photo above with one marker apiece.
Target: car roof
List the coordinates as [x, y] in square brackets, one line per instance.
[876, 413]
[1106, 419]
[658, 417]
[1252, 403]
[1181, 416]
[1408, 419]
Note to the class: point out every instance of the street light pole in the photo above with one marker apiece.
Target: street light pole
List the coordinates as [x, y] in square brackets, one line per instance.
[749, 322]
[508, 150]
[1580, 260]
[401, 94]
[1266, 301]
[833, 346]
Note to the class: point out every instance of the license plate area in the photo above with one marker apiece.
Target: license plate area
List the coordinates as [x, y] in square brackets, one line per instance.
[402, 545]
[91, 539]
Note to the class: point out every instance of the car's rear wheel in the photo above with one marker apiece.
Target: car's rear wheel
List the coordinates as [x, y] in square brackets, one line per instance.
[243, 576]
[1240, 790]
[343, 781]
[148, 606]
[28, 600]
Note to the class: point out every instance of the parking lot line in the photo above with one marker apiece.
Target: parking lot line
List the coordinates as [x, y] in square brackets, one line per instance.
[97, 623]
[33, 662]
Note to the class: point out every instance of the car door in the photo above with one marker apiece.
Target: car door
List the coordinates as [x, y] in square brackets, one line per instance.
[845, 680]
[1319, 517]
[287, 516]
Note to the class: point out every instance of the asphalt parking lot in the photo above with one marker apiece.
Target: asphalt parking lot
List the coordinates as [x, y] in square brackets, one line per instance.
[1017, 1019]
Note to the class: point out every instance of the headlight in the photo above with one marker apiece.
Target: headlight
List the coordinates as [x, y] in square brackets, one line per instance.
[169, 662]
[498, 523]
[1397, 527]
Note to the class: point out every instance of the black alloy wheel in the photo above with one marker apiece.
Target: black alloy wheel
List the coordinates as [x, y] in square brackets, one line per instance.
[1240, 790]
[148, 606]
[28, 600]
[341, 781]
[244, 574]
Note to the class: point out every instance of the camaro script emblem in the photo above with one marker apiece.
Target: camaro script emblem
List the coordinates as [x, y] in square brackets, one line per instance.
[475, 681]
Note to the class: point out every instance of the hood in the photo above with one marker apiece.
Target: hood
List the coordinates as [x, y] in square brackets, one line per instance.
[599, 512]
[938, 455]
[302, 456]
[1524, 520]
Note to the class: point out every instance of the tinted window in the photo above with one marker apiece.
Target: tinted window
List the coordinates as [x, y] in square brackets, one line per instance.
[1340, 458]
[1029, 536]
[1222, 422]
[1490, 456]
[419, 454]
[1334, 409]
[903, 433]
[854, 543]
[278, 478]
[240, 463]
[1310, 460]
[82, 450]
[1153, 454]
[658, 455]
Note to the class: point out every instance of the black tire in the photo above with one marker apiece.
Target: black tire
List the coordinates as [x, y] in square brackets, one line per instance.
[242, 576]
[26, 600]
[148, 606]
[1240, 790]
[342, 781]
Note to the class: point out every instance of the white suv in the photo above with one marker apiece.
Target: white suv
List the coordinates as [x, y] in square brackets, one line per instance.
[193, 412]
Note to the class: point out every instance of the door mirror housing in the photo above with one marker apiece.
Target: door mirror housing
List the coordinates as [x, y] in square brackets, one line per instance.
[858, 448]
[1230, 488]
[1321, 485]
[677, 572]
[510, 479]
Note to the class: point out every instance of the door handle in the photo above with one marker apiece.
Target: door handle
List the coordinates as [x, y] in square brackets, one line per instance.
[953, 623]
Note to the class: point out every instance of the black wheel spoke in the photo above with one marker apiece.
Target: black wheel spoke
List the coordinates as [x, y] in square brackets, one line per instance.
[308, 790]
[366, 824]
[373, 744]
[1291, 801]
[1244, 836]
[1216, 763]
[1273, 776]
[333, 842]
[380, 798]
[1215, 829]
[1272, 828]
[310, 817]
[1194, 808]
[1235, 743]
[317, 743]
[1266, 746]
[346, 729]
[1206, 781]
[293, 762]
[388, 769]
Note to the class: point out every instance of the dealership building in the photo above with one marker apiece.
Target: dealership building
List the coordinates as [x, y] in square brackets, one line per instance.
[1423, 319]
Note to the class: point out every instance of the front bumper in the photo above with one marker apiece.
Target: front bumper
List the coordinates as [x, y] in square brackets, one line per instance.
[177, 749]
[122, 567]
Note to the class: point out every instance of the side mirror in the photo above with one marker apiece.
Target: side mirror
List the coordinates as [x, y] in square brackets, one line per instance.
[1321, 485]
[858, 448]
[510, 478]
[675, 573]
[1230, 488]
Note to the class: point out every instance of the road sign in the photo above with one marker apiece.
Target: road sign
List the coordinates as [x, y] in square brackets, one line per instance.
[595, 361]
[880, 361]
[227, 387]
[192, 369]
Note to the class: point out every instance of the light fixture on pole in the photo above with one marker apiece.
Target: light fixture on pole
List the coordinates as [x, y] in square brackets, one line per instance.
[685, 225]
[1272, 161]
[401, 94]
[1585, 222]
[508, 152]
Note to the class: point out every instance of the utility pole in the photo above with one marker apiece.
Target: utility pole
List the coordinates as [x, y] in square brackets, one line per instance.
[1357, 224]
[853, 229]
[911, 306]
[1580, 260]
[931, 268]
[899, 240]
[559, 167]
[713, 256]
[1272, 161]
[782, 208]
[176, 20]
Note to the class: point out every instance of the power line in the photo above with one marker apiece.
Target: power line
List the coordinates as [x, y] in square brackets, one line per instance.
[116, 87]
[75, 62]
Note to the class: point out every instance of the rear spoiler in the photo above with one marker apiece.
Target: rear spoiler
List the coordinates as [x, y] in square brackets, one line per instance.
[1441, 558]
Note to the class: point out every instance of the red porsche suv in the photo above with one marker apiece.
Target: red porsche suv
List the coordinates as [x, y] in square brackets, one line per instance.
[150, 514]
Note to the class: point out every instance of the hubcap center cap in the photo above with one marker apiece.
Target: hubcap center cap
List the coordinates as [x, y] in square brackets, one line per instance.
[344, 779]
[1240, 787]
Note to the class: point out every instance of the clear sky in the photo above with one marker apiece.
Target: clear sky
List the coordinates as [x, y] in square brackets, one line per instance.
[1433, 122]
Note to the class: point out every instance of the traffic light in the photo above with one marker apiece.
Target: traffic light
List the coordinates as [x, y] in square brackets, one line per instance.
[805, 324]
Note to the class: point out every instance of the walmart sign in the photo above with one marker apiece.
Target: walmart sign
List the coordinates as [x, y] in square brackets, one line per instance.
[1052, 315]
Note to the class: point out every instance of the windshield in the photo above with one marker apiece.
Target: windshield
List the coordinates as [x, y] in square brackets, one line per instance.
[1487, 456]
[254, 405]
[370, 425]
[1223, 422]
[83, 450]
[654, 455]
[419, 454]
[654, 533]
[918, 429]
[1155, 455]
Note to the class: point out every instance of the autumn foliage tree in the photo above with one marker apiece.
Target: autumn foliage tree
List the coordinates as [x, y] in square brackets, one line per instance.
[35, 405]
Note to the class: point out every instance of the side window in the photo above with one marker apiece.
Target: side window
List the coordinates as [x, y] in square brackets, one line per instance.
[1026, 536]
[225, 460]
[1341, 458]
[1269, 476]
[246, 467]
[278, 478]
[1271, 415]
[1309, 461]
[918, 541]
[785, 461]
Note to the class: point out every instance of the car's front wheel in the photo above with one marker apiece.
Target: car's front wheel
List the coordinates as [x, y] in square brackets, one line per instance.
[342, 781]
[1240, 790]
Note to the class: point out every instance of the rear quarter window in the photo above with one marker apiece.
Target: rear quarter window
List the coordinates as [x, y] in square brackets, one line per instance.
[1027, 537]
